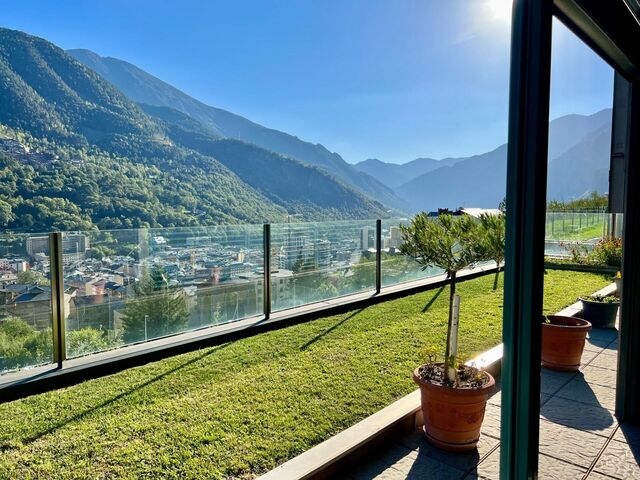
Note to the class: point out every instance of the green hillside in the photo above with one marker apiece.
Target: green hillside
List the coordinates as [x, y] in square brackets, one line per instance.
[143, 87]
[88, 156]
[302, 189]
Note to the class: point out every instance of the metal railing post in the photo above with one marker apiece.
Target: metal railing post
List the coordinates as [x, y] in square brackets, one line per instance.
[56, 269]
[266, 238]
[378, 255]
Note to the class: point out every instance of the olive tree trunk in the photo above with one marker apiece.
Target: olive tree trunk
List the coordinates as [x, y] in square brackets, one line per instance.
[448, 362]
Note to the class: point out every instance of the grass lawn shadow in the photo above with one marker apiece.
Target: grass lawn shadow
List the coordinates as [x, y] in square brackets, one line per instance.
[80, 416]
[331, 329]
[433, 299]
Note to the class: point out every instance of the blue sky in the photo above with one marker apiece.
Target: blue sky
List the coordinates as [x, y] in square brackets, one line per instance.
[393, 80]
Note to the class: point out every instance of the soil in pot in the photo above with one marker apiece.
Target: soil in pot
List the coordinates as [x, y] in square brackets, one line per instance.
[563, 342]
[600, 314]
[453, 415]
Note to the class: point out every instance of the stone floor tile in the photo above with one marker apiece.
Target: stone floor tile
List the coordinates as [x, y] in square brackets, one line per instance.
[382, 462]
[422, 467]
[552, 381]
[590, 347]
[604, 334]
[591, 394]
[588, 356]
[602, 343]
[399, 461]
[553, 469]
[491, 422]
[598, 476]
[568, 444]
[581, 416]
[600, 376]
[628, 433]
[496, 398]
[462, 460]
[612, 348]
[605, 360]
[372, 474]
[549, 468]
[488, 468]
[620, 460]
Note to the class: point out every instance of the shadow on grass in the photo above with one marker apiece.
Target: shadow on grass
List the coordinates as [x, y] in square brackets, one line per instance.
[331, 329]
[433, 299]
[106, 403]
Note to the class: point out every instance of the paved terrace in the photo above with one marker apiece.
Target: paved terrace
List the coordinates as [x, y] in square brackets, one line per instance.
[579, 436]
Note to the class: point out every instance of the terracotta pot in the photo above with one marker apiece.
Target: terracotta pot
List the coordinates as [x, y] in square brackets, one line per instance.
[600, 314]
[453, 416]
[563, 342]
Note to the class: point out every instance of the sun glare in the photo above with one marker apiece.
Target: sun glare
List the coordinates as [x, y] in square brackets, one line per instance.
[500, 9]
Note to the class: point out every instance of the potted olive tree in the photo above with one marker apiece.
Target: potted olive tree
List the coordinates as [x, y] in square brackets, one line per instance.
[453, 396]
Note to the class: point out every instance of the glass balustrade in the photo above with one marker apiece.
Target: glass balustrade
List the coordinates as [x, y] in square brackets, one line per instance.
[131, 286]
[312, 262]
[124, 287]
[26, 338]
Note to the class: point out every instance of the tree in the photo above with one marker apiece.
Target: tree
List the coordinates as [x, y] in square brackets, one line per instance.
[157, 310]
[29, 277]
[6, 215]
[22, 345]
[492, 239]
[446, 242]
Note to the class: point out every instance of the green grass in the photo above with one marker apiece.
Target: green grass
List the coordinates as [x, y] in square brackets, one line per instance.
[573, 232]
[239, 409]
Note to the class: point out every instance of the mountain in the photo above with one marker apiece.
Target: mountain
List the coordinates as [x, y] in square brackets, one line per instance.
[304, 190]
[579, 150]
[583, 168]
[393, 175]
[76, 153]
[566, 131]
[477, 181]
[144, 88]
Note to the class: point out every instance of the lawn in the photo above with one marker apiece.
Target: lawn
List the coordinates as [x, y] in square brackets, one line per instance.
[240, 409]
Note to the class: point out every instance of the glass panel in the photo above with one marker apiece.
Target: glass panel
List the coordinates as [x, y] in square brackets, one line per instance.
[567, 230]
[311, 262]
[26, 336]
[398, 268]
[131, 286]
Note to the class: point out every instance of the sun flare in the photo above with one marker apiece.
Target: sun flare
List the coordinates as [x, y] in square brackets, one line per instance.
[500, 9]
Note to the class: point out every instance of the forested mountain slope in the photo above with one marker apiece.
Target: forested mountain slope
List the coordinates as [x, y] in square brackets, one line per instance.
[89, 156]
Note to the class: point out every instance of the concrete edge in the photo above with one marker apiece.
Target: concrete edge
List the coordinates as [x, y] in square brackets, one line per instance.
[336, 454]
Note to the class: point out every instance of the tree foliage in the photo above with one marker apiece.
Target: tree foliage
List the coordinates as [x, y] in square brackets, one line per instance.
[156, 311]
[447, 242]
[594, 201]
[492, 233]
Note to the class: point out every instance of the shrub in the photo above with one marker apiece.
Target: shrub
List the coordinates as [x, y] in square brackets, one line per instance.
[607, 251]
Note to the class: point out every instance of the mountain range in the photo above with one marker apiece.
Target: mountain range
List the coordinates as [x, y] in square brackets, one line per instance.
[579, 151]
[117, 163]
[142, 87]
[126, 149]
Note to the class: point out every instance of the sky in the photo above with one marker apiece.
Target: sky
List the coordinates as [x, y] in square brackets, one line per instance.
[393, 80]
